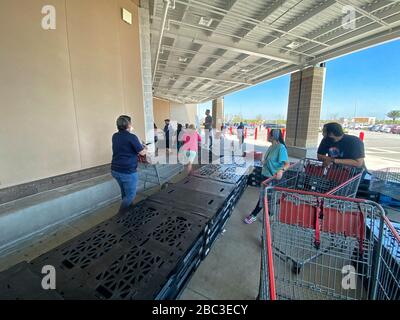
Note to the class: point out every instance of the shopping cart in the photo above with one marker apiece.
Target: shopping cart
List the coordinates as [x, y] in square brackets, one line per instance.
[312, 175]
[388, 280]
[149, 173]
[318, 246]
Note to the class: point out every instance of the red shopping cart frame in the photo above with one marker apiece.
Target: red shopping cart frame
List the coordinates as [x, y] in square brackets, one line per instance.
[352, 229]
[339, 175]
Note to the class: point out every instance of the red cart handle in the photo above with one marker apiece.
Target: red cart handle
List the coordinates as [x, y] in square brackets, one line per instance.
[271, 275]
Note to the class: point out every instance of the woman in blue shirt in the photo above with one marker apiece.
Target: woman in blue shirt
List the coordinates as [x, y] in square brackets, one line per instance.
[126, 147]
[275, 162]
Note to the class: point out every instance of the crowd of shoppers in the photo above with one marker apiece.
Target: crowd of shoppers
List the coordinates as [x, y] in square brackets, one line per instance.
[336, 147]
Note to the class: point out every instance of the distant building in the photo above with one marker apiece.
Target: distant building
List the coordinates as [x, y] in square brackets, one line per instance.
[357, 122]
[364, 121]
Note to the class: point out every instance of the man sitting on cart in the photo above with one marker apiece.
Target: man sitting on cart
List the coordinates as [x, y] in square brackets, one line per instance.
[340, 148]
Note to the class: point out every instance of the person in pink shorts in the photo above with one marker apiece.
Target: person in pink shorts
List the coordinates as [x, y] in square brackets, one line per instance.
[188, 152]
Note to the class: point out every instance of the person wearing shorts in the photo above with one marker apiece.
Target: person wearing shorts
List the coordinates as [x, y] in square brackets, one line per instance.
[188, 152]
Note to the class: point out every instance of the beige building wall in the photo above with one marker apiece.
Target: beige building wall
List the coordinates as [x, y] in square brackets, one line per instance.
[176, 112]
[184, 113]
[61, 90]
[162, 111]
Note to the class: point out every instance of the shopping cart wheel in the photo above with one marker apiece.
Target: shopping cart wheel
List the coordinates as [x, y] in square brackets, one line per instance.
[296, 268]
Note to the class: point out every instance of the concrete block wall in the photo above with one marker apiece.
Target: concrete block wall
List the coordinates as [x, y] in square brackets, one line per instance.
[304, 107]
[218, 113]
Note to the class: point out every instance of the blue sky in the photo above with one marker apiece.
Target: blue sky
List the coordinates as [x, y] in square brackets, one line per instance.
[365, 83]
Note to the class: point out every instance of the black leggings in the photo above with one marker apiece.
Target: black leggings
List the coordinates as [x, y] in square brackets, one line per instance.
[257, 209]
[260, 205]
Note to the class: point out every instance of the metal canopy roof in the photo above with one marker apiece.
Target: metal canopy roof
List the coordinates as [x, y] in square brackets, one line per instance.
[206, 49]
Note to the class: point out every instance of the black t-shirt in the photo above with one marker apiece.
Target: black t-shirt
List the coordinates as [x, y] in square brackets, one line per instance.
[349, 147]
[126, 147]
[208, 124]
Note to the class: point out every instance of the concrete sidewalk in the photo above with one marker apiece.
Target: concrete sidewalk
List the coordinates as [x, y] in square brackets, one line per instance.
[232, 269]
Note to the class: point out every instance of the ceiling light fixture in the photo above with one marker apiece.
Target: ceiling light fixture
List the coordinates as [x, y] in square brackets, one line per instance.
[293, 45]
[206, 22]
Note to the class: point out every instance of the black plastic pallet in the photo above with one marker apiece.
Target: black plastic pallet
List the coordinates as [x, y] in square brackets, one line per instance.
[138, 272]
[216, 220]
[172, 232]
[226, 177]
[203, 204]
[79, 253]
[205, 186]
[236, 161]
[253, 183]
[218, 227]
[151, 251]
[146, 220]
[211, 240]
[196, 253]
[257, 164]
[209, 170]
[174, 286]
[176, 290]
[158, 220]
[255, 177]
[229, 173]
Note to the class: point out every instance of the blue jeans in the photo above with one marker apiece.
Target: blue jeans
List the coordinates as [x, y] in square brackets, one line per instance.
[128, 184]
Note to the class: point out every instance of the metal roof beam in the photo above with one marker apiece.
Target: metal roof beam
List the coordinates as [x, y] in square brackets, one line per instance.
[267, 12]
[200, 53]
[362, 43]
[337, 23]
[264, 14]
[239, 17]
[204, 76]
[305, 17]
[223, 42]
[363, 12]
[367, 28]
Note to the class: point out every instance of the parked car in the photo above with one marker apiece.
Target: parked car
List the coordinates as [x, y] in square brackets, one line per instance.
[378, 128]
[386, 129]
[396, 129]
[273, 126]
[375, 127]
[354, 126]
